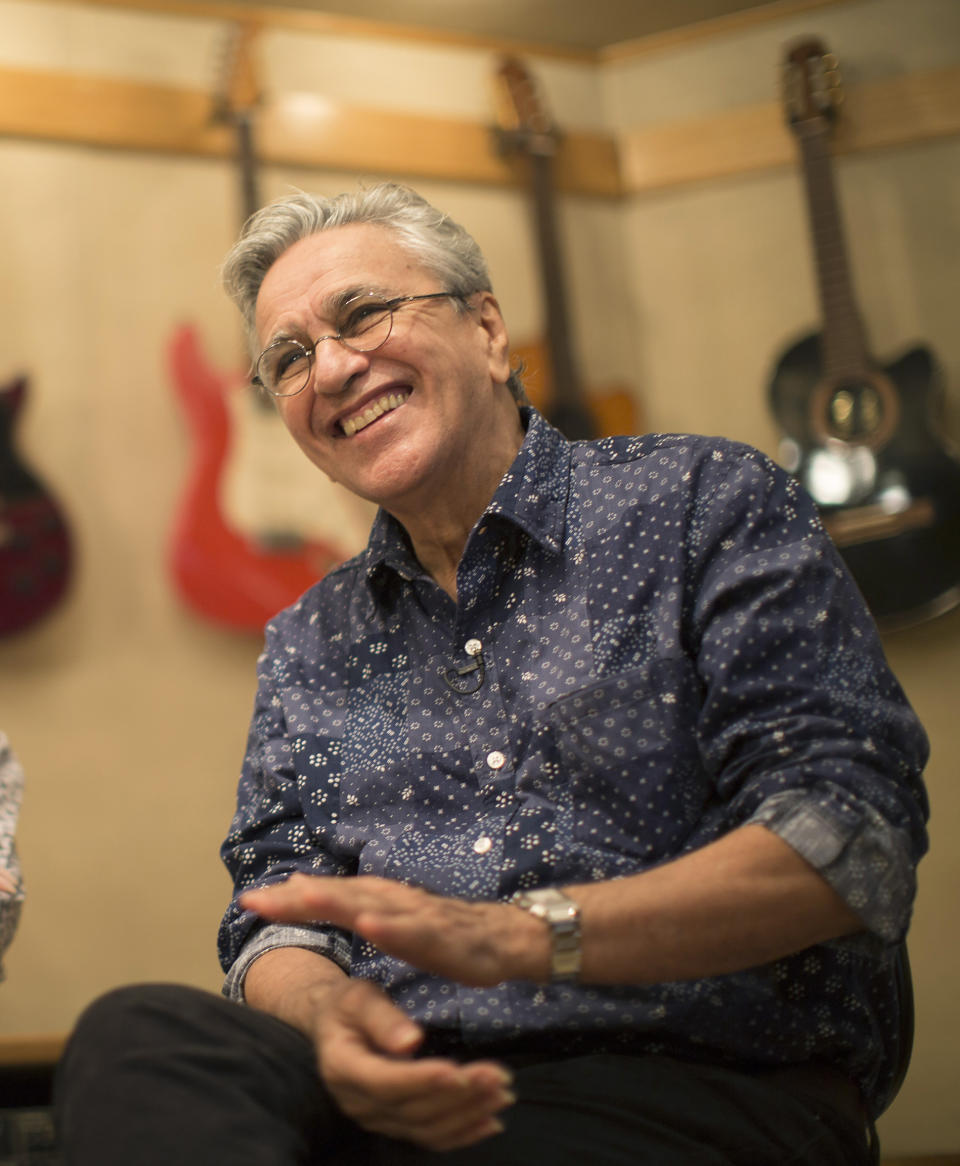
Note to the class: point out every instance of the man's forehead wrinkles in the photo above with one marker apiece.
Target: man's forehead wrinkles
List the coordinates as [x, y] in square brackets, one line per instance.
[325, 308]
[328, 307]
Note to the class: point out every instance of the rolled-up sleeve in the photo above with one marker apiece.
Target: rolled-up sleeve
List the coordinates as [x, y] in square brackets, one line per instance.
[803, 724]
[864, 858]
[327, 943]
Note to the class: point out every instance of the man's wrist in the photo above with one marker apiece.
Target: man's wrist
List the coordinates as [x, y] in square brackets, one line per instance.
[561, 915]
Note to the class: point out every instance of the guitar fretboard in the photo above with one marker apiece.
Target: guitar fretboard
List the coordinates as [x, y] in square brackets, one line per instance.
[845, 351]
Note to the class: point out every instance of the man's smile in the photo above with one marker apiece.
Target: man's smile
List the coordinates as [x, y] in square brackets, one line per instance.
[370, 412]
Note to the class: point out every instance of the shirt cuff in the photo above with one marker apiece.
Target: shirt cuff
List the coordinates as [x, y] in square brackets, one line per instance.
[857, 851]
[334, 945]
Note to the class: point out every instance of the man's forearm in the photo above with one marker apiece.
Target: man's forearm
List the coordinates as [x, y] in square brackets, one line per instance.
[744, 900]
[737, 903]
[292, 984]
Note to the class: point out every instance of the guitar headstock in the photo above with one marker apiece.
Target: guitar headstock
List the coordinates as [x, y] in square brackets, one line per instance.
[234, 103]
[237, 93]
[811, 85]
[524, 122]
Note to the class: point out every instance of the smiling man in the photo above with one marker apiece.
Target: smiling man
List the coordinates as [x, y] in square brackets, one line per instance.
[580, 812]
[426, 410]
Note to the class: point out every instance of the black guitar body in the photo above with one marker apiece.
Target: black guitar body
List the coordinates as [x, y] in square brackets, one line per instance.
[894, 509]
[35, 547]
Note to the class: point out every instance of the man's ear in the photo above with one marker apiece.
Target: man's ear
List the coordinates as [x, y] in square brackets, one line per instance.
[496, 339]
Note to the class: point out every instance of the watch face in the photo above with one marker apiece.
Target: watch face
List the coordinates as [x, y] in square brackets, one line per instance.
[562, 916]
[547, 897]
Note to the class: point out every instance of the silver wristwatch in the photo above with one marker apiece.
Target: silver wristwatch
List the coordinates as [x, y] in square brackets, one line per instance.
[562, 915]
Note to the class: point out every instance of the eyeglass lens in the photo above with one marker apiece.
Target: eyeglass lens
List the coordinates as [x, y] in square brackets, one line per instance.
[284, 368]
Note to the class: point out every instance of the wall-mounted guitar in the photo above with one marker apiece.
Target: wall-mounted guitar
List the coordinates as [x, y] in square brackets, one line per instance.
[231, 575]
[551, 375]
[861, 437]
[35, 546]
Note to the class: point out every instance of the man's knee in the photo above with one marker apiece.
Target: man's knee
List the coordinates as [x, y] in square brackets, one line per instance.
[129, 1015]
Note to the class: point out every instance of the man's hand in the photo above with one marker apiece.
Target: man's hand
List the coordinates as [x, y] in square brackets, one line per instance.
[479, 944]
[364, 1046]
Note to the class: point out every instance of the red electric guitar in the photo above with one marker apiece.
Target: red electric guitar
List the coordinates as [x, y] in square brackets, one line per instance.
[234, 574]
[35, 546]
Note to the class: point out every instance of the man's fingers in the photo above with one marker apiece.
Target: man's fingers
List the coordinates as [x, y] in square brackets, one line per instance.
[459, 1139]
[450, 937]
[305, 898]
[449, 1135]
[365, 1045]
[450, 1092]
[296, 899]
[369, 1025]
[436, 1106]
[394, 1082]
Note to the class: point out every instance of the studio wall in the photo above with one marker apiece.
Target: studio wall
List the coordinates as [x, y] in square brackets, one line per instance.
[128, 710]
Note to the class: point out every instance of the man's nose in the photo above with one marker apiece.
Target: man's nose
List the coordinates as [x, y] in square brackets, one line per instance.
[335, 364]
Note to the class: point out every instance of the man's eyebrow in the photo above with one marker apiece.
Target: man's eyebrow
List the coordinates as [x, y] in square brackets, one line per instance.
[333, 308]
[343, 299]
[286, 334]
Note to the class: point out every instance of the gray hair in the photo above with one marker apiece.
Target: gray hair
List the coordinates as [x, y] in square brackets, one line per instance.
[439, 243]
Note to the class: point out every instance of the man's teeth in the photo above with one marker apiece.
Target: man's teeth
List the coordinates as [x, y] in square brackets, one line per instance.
[353, 425]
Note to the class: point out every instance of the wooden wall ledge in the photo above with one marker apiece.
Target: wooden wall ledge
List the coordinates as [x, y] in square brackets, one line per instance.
[299, 130]
[31, 1050]
[311, 132]
[913, 107]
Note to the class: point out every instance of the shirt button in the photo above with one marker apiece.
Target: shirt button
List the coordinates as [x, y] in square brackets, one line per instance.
[495, 759]
[473, 647]
[482, 844]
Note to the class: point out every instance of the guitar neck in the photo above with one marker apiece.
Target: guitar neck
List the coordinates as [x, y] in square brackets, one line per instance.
[246, 155]
[568, 410]
[527, 129]
[845, 350]
[247, 162]
[559, 341]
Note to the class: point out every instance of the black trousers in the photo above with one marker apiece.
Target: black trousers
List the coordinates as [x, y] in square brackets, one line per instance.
[157, 1075]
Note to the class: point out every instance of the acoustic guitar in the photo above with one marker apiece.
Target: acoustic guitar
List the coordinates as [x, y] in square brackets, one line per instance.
[240, 576]
[864, 438]
[36, 552]
[551, 371]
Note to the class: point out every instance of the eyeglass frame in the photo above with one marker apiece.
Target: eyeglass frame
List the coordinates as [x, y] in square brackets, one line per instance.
[389, 306]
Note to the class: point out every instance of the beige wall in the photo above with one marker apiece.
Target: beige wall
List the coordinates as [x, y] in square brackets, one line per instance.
[129, 713]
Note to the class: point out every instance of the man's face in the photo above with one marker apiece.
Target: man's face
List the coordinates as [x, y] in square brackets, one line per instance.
[435, 378]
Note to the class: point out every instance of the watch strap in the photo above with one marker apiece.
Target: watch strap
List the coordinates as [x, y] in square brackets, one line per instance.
[562, 916]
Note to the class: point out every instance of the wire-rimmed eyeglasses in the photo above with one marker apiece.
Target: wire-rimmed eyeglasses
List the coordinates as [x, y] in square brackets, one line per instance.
[283, 368]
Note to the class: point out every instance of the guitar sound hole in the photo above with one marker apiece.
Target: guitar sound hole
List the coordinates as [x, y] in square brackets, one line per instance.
[855, 412]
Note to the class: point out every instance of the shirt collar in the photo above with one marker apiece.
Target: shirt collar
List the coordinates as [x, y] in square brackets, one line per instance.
[532, 494]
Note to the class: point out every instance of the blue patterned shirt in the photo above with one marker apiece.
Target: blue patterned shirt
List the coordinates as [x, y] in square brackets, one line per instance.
[670, 648]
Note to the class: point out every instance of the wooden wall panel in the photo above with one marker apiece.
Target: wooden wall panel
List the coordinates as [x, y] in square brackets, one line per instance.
[105, 112]
[309, 131]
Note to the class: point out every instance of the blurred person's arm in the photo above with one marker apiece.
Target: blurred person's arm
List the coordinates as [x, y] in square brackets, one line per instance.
[11, 885]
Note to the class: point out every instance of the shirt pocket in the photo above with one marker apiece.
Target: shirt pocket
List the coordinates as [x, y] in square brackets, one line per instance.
[627, 759]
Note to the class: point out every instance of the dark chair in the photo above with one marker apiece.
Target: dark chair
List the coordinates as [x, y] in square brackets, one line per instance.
[905, 998]
[27, 1067]
[904, 982]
